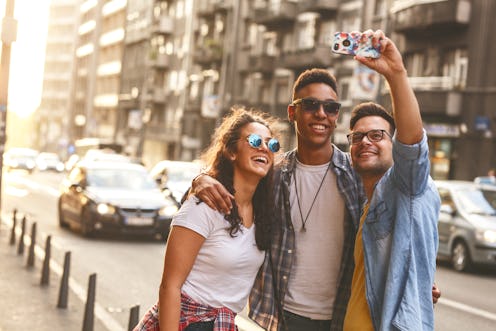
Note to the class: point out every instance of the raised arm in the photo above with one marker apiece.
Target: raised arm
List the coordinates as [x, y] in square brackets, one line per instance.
[213, 193]
[409, 129]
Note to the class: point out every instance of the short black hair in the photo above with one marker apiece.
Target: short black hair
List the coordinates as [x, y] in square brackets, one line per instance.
[315, 75]
[371, 109]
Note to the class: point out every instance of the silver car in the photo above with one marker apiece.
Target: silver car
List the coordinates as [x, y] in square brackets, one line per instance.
[467, 223]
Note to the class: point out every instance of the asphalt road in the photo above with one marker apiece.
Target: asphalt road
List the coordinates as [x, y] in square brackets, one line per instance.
[129, 269]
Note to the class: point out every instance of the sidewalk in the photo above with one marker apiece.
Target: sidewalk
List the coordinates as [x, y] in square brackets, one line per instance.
[24, 304]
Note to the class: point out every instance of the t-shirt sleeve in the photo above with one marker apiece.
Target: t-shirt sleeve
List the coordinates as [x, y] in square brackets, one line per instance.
[195, 216]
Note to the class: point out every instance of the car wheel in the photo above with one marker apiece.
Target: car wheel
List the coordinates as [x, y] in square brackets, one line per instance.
[86, 224]
[460, 257]
[62, 222]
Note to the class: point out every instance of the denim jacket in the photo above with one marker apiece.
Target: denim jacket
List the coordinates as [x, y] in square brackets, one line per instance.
[400, 242]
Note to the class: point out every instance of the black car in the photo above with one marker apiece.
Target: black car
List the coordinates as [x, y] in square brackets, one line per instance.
[115, 197]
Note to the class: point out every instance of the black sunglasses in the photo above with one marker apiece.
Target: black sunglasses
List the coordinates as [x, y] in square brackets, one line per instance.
[255, 141]
[376, 135]
[313, 105]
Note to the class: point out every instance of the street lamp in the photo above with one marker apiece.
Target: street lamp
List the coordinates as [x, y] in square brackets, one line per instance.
[9, 35]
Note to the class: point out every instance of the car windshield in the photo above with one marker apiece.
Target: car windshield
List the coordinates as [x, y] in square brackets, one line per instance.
[120, 179]
[182, 174]
[477, 202]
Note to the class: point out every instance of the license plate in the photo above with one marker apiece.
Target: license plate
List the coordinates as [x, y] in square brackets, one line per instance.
[138, 221]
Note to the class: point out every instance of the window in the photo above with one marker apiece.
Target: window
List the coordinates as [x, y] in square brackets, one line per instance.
[305, 30]
[455, 65]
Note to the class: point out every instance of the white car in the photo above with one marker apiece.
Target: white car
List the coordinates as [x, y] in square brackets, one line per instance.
[175, 176]
[49, 161]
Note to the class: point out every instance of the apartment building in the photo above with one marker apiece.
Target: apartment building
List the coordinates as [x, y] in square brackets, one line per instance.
[158, 75]
[98, 62]
[451, 61]
[52, 116]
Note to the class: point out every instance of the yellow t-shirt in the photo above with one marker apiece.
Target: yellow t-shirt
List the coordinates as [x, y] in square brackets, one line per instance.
[358, 314]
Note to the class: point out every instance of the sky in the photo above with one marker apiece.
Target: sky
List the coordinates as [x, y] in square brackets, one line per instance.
[28, 55]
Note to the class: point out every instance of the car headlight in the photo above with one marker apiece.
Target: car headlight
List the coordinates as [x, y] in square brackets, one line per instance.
[488, 236]
[168, 211]
[105, 209]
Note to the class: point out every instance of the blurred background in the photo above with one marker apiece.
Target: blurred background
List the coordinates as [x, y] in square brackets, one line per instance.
[156, 76]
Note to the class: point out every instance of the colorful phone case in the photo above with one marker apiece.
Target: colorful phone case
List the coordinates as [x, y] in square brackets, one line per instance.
[350, 43]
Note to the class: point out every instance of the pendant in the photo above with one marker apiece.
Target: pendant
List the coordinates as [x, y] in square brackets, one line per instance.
[303, 229]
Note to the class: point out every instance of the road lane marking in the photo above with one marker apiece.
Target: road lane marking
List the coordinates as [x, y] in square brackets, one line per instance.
[467, 309]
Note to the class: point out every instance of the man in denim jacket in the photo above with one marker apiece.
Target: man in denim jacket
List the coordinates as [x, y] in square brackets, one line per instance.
[396, 244]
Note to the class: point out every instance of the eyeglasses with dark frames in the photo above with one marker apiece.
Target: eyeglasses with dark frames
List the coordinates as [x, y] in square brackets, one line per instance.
[256, 141]
[375, 135]
[313, 105]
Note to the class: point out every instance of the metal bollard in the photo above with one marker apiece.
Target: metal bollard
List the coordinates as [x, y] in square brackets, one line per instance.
[89, 316]
[133, 317]
[45, 270]
[30, 262]
[14, 224]
[64, 282]
[20, 247]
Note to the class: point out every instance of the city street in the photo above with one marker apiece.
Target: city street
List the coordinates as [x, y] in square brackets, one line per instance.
[129, 269]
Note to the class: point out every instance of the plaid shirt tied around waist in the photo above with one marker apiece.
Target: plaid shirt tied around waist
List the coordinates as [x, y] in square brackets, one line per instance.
[267, 297]
[191, 312]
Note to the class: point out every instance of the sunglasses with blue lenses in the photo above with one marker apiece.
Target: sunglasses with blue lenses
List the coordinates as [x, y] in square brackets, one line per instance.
[256, 141]
[313, 105]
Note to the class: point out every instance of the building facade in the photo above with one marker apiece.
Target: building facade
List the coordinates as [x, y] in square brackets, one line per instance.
[158, 75]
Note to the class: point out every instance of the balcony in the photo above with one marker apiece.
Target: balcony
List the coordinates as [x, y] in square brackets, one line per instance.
[222, 5]
[437, 95]
[205, 9]
[159, 131]
[318, 56]
[159, 61]
[275, 15]
[263, 63]
[208, 53]
[418, 16]
[323, 7]
[164, 25]
[156, 95]
[193, 105]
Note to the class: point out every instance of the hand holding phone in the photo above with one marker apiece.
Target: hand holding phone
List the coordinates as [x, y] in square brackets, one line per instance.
[352, 43]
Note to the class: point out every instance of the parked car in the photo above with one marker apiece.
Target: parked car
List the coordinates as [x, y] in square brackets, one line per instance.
[20, 158]
[114, 197]
[467, 224]
[175, 176]
[49, 161]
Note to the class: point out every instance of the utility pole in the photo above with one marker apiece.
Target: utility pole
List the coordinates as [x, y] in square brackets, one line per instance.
[9, 35]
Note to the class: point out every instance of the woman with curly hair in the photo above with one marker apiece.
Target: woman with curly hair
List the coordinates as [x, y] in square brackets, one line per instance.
[212, 259]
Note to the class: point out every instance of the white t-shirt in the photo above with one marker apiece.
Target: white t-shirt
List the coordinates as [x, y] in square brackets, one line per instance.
[314, 276]
[225, 268]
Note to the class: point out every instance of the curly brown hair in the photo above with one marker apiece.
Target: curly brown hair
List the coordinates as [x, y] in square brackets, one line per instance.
[220, 167]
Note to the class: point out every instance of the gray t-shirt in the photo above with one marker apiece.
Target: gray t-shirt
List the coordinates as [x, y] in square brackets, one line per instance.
[314, 277]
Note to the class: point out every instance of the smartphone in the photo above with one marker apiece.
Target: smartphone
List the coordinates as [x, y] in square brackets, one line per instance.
[351, 43]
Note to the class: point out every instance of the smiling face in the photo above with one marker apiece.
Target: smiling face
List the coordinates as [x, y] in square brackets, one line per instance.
[313, 129]
[372, 159]
[250, 161]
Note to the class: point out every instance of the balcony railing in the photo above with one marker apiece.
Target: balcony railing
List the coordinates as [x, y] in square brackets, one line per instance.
[433, 83]
[318, 56]
[319, 6]
[275, 15]
[164, 25]
[418, 15]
